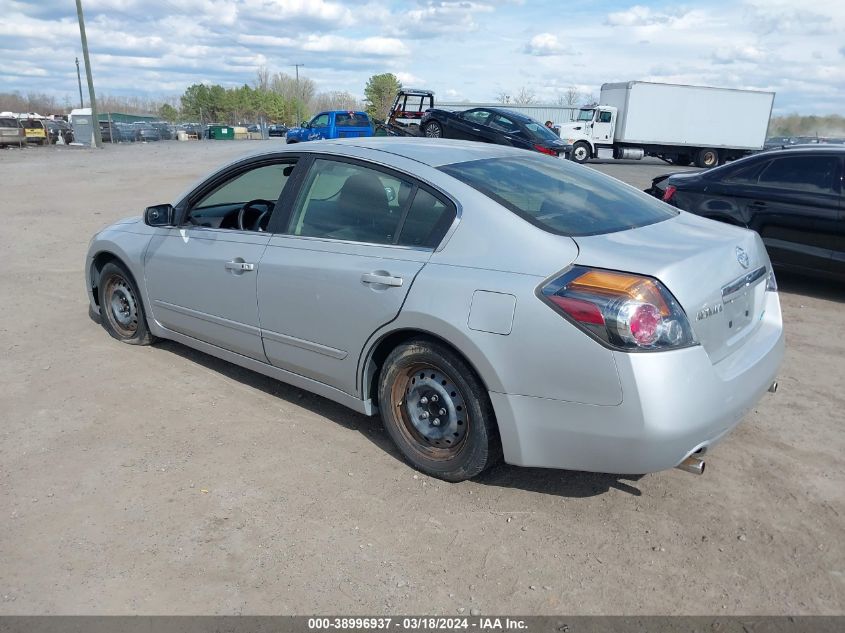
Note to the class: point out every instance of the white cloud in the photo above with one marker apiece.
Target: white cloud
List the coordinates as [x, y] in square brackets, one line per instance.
[639, 15]
[734, 54]
[545, 44]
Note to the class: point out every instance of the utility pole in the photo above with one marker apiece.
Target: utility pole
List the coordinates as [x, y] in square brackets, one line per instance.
[298, 94]
[79, 81]
[95, 123]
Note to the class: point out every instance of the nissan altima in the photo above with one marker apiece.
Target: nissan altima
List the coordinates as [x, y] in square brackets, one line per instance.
[486, 302]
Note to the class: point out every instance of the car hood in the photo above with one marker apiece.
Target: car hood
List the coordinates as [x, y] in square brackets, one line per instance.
[695, 259]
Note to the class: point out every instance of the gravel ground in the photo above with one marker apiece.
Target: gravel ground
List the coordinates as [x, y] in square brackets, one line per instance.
[160, 480]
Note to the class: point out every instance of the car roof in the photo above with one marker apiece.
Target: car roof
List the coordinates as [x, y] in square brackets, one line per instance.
[429, 151]
[807, 148]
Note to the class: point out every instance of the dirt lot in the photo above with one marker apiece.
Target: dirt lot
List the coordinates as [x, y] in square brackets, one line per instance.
[160, 480]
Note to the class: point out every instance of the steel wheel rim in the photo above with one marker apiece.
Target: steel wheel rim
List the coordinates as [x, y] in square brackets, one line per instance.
[432, 130]
[580, 153]
[710, 159]
[432, 411]
[121, 306]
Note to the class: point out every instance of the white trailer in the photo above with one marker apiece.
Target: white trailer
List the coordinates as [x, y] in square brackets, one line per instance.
[680, 124]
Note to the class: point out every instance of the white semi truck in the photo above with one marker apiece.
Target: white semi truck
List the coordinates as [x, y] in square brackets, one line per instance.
[680, 124]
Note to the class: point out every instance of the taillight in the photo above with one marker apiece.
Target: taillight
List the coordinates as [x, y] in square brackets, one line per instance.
[771, 282]
[545, 150]
[622, 310]
[669, 192]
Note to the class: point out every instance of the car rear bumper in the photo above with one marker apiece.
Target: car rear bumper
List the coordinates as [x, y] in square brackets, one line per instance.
[674, 404]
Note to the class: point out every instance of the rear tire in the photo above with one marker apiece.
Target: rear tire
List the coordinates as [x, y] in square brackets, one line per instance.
[433, 129]
[121, 309]
[707, 158]
[437, 411]
[580, 152]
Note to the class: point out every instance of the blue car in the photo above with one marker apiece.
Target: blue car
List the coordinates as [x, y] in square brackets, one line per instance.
[332, 124]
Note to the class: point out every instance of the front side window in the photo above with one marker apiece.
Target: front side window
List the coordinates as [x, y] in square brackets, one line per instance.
[604, 117]
[321, 120]
[345, 201]
[244, 202]
[559, 197]
[814, 174]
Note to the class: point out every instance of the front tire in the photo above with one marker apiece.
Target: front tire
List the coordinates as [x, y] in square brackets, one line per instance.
[433, 129]
[437, 411]
[121, 309]
[580, 152]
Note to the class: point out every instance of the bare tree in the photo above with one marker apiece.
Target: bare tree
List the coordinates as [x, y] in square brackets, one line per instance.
[335, 100]
[569, 98]
[503, 97]
[525, 96]
[286, 86]
[589, 100]
[262, 79]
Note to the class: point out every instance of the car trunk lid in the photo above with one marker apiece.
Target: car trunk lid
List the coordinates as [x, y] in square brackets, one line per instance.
[716, 272]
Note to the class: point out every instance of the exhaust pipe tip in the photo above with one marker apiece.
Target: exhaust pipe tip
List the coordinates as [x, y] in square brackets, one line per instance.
[692, 465]
[773, 387]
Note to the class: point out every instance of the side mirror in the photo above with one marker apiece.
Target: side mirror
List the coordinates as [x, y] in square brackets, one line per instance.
[305, 124]
[391, 193]
[160, 215]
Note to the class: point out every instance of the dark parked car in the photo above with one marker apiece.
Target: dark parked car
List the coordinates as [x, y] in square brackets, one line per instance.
[792, 197]
[277, 130]
[147, 133]
[58, 127]
[494, 125]
[108, 132]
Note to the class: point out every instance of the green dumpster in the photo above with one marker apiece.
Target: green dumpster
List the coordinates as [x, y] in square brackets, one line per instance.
[221, 132]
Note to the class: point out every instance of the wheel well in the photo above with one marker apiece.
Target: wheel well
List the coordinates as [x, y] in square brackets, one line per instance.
[382, 349]
[100, 260]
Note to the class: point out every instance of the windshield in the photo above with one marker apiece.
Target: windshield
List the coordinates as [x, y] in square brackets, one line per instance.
[560, 197]
[586, 115]
[541, 132]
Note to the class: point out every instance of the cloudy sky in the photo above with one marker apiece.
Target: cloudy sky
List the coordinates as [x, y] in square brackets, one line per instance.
[463, 49]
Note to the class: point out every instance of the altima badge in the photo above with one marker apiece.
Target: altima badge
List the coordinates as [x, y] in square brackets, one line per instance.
[742, 257]
[709, 311]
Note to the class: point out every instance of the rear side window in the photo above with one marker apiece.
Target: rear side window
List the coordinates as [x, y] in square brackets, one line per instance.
[8, 123]
[351, 119]
[560, 197]
[814, 174]
[427, 221]
[344, 201]
[747, 174]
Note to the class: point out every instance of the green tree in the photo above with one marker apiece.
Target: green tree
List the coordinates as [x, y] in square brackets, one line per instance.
[168, 113]
[380, 92]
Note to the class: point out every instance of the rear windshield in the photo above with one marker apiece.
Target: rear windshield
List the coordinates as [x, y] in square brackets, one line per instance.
[559, 196]
[351, 119]
[541, 131]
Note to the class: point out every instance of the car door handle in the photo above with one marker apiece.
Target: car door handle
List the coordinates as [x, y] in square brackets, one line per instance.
[384, 280]
[239, 266]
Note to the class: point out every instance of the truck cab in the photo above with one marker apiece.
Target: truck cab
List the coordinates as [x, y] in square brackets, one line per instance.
[332, 124]
[594, 127]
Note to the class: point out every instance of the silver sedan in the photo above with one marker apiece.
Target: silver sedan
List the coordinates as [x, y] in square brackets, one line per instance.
[487, 302]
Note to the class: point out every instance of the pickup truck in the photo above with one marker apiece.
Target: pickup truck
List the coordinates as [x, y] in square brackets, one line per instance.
[332, 124]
